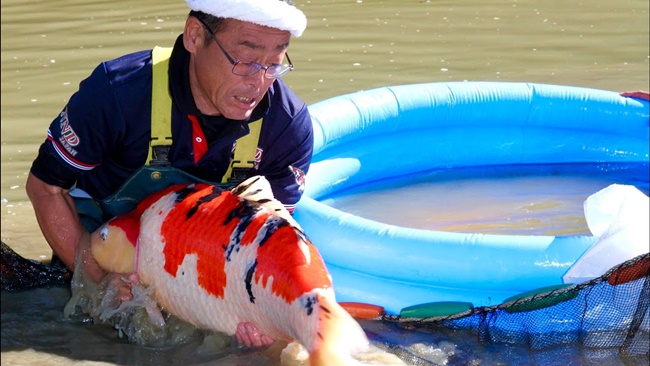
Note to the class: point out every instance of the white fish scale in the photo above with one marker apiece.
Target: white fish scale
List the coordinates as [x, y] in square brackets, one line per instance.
[183, 297]
[150, 247]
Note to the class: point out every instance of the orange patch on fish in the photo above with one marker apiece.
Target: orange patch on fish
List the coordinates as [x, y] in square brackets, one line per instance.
[282, 244]
[209, 238]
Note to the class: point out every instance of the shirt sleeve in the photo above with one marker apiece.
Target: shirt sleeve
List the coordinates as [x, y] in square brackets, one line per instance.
[80, 137]
[286, 174]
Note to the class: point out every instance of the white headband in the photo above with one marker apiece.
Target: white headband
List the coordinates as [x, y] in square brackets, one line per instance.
[270, 13]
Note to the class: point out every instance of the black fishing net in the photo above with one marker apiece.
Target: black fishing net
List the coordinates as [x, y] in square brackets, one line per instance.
[602, 321]
[20, 274]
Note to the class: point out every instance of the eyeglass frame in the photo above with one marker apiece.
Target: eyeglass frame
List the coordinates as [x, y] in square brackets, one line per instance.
[285, 68]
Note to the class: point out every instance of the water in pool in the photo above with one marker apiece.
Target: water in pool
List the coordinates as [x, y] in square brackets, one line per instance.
[514, 200]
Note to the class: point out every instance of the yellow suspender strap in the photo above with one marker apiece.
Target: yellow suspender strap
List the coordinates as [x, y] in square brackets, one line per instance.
[245, 150]
[161, 108]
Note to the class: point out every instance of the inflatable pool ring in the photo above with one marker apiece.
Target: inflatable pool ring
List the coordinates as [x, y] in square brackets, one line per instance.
[400, 130]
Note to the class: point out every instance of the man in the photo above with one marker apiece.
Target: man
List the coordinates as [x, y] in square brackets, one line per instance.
[131, 123]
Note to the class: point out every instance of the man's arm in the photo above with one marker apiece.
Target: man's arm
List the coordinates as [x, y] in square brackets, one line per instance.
[60, 224]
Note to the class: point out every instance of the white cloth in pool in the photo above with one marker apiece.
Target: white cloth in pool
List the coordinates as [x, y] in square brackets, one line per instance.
[619, 216]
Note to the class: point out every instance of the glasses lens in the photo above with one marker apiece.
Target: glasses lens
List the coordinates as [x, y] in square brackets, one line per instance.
[250, 68]
[246, 68]
[277, 71]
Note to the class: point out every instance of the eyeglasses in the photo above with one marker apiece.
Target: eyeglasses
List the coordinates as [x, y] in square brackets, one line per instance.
[240, 68]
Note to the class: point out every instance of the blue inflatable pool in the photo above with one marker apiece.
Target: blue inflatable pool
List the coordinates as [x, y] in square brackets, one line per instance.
[394, 131]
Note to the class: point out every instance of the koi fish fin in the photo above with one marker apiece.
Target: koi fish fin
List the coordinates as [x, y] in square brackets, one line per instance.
[155, 315]
[258, 189]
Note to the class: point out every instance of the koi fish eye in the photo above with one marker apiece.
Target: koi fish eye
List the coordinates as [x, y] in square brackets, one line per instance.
[103, 234]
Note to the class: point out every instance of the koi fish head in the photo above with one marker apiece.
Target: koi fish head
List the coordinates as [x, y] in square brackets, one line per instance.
[113, 245]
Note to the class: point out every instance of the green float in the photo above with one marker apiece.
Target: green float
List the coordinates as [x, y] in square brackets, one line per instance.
[544, 297]
[435, 309]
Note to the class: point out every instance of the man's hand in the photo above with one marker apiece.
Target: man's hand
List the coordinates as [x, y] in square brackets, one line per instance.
[248, 335]
[120, 284]
[88, 265]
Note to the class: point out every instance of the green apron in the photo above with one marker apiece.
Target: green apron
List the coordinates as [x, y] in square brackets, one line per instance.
[147, 180]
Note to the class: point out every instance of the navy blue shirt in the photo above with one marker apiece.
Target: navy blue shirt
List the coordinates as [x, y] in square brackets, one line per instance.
[102, 135]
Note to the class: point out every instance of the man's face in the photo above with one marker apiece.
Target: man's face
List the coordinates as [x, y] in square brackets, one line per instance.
[216, 90]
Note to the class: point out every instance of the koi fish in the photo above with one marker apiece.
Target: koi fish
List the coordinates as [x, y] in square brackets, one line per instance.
[216, 258]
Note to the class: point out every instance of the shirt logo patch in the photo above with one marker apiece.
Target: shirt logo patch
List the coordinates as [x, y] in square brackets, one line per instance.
[299, 175]
[68, 138]
[258, 158]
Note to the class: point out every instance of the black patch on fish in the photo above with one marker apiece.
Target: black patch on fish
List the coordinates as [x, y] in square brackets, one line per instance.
[249, 282]
[215, 193]
[245, 211]
[272, 225]
[325, 309]
[237, 191]
[182, 193]
[309, 303]
[301, 234]
[230, 248]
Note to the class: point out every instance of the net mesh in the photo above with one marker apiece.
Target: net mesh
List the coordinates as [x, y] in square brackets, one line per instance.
[599, 318]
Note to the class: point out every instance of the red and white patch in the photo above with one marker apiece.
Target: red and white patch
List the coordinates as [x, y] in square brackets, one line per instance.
[299, 175]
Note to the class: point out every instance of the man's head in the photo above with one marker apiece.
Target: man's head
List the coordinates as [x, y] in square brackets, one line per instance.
[238, 48]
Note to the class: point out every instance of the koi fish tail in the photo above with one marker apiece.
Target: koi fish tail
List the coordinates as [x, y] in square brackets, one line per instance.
[339, 336]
